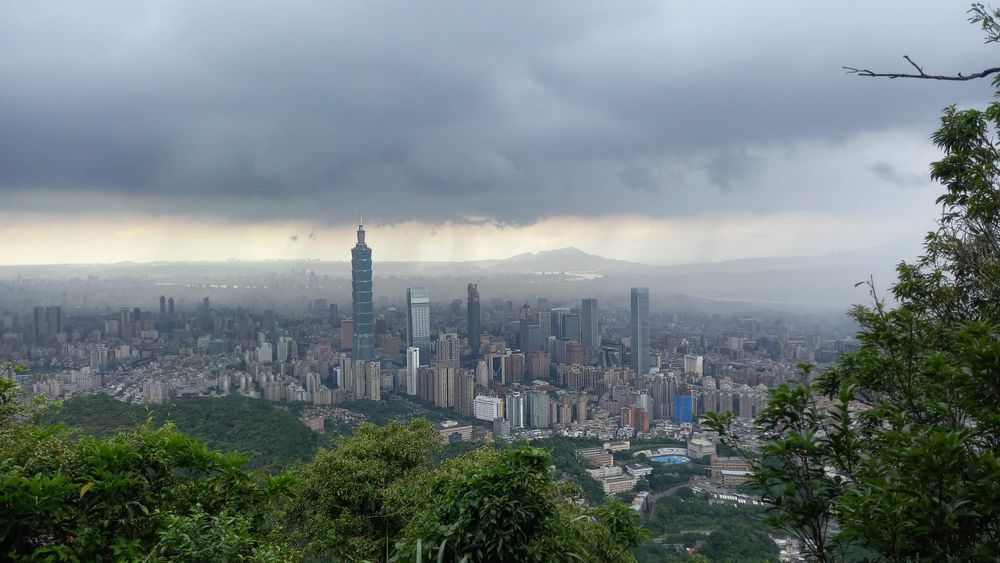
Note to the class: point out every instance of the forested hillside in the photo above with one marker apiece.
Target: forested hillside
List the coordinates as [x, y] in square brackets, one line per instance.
[267, 433]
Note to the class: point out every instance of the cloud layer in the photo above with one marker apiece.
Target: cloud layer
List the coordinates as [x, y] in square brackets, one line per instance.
[470, 112]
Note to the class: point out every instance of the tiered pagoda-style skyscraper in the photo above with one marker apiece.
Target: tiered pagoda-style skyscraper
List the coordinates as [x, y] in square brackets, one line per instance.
[361, 292]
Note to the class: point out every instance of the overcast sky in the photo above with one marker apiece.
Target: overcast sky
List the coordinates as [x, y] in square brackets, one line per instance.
[660, 132]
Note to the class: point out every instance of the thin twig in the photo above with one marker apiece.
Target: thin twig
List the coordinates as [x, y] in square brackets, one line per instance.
[953, 77]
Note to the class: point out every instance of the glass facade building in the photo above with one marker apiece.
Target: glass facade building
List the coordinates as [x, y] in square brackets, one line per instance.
[639, 333]
[418, 322]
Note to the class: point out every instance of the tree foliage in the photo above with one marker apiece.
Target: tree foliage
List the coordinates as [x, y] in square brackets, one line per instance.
[270, 436]
[154, 493]
[898, 443]
[118, 498]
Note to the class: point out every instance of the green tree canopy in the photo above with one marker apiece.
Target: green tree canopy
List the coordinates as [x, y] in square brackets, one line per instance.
[898, 443]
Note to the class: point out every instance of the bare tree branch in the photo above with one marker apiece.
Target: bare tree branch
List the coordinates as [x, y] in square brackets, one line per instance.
[956, 77]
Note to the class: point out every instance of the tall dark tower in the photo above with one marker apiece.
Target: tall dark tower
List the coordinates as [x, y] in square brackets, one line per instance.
[163, 307]
[361, 292]
[475, 320]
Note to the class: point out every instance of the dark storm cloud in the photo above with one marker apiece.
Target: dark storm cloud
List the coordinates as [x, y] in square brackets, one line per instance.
[453, 110]
[888, 172]
[731, 169]
[640, 177]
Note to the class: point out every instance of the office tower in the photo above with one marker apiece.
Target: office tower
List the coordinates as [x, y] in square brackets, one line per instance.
[163, 307]
[363, 347]
[318, 307]
[46, 321]
[544, 325]
[418, 321]
[170, 308]
[639, 325]
[205, 316]
[591, 336]
[542, 304]
[346, 334]
[556, 316]
[412, 365]
[285, 344]
[571, 329]
[448, 350]
[125, 323]
[334, 314]
[54, 319]
[38, 323]
[530, 336]
[455, 309]
[136, 322]
[474, 320]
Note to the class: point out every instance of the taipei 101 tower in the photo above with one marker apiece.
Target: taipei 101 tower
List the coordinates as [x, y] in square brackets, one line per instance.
[361, 292]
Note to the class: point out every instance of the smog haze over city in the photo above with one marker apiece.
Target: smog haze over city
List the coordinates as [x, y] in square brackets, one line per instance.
[585, 226]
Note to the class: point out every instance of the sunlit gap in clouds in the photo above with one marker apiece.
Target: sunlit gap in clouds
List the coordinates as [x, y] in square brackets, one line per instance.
[49, 239]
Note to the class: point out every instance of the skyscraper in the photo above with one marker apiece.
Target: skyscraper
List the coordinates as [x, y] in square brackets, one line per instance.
[163, 306]
[475, 320]
[571, 327]
[418, 321]
[591, 334]
[361, 292]
[639, 325]
[412, 365]
[125, 323]
[448, 350]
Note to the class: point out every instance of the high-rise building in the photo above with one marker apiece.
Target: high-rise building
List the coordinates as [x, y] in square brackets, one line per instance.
[170, 308]
[544, 325]
[346, 334]
[465, 386]
[556, 315]
[373, 381]
[448, 350]
[639, 330]
[530, 336]
[38, 322]
[163, 306]
[334, 314]
[571, 329]
[515, 409]
[418, 321]
[53, 318]
[538, 409]
[205, 316]
[46, 321]
[474, 320]
[412, 365]
[444, 385]
[694, 364]
[488, 408]
[363, 347]
[319, 308]
[125, 323]
[591, 336]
